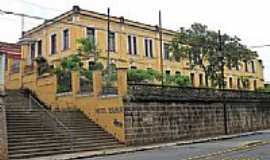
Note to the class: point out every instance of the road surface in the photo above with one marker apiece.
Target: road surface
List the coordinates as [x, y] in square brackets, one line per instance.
[254, 147]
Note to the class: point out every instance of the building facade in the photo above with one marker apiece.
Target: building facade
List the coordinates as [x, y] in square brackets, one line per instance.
[131, 45]
[10, 55]
[2, 72]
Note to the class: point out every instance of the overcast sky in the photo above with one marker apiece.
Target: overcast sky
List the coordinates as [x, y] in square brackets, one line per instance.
[248, 19]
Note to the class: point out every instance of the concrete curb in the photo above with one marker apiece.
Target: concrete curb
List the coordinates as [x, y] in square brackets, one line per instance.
[144, 148]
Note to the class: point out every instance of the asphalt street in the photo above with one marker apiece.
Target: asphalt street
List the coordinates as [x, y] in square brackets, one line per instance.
[254, 147]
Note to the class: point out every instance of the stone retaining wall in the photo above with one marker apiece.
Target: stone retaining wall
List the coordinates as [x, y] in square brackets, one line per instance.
[151, 117]
[3, 131]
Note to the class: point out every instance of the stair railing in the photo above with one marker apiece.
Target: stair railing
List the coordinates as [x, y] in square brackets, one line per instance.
[53, 118]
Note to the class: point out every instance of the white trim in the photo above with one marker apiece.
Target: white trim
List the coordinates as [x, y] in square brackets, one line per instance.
[28, 56]
[96, 35]
[62, 42]
[148, 49]
[255, 66]
[36, 49]
[132, 45]
[163, 50]
[115, 40]
[50, 44]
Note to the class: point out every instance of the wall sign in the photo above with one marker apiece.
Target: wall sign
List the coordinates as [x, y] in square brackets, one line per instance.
[110, 110]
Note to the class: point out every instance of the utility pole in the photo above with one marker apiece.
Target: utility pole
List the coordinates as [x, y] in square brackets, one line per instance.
[221, 54]
[22, 25]
[161, 48]
[22, 15]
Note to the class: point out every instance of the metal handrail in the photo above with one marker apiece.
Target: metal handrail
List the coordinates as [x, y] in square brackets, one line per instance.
[53, 117]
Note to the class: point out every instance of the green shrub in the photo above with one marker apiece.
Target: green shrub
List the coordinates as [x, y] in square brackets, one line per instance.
[263, 89]
[182, 81]
[150, 75]
[140, 75]
[169, 79]
[97, 66]
[154, 74]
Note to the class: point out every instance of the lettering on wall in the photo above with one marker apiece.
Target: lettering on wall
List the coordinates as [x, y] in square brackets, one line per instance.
[110, 110]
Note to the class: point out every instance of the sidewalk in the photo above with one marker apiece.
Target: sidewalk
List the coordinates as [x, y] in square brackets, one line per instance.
[143, 148]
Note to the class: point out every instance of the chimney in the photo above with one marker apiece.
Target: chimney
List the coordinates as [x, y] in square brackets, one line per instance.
[122, 19]
[76, 8]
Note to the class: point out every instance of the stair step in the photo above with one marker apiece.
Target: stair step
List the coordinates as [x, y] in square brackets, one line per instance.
[59, 149]
[73, 143]
[34, 141]
[26, 155]
[46, 130]
[28, 137]
[100, 135]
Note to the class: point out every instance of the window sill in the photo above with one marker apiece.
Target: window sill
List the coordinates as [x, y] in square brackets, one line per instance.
[66, 49]
[85, 94]
[149, 57]
[53, 54]
[63, 94]
[111, 51]
[108, 96]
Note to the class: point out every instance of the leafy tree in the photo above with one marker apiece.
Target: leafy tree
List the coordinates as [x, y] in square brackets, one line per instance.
[42, 65]
[88, 48]
[200, 47]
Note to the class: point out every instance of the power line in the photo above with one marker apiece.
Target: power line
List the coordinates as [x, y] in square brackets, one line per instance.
[38, 5]
[67, 23]
[21, 15]
[79, 25]
[260, 46]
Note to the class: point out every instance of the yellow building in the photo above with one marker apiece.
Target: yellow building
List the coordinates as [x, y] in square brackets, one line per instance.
[10, 57]
[132, 45]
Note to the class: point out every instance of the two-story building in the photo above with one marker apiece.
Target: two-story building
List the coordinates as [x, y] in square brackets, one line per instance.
[10, 57]
[131, 45]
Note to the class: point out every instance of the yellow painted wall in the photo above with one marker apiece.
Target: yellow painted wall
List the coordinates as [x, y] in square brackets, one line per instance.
[121, 57]
[12, 80]
[104, 111]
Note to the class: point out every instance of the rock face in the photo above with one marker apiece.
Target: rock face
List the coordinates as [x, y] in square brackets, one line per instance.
[155, 115]
[3, 130]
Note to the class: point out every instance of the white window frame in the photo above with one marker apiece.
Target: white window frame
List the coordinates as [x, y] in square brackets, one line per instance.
[153, 46]
[96, 35]
[163, 50]
[64, 49]
[36, 54]
[132, 45]
[255, 68]
[116, 42]
[50, 44]
[29, 60]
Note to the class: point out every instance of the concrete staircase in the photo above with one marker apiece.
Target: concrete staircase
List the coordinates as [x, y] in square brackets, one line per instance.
[33, 133]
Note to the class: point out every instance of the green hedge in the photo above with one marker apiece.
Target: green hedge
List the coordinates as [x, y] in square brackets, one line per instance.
[150, 76]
